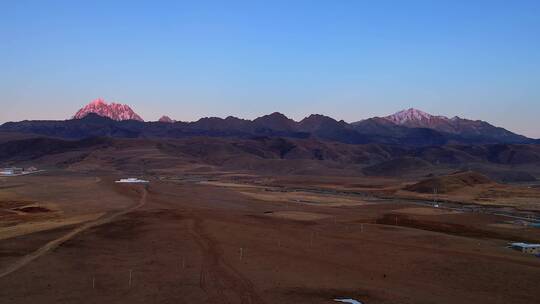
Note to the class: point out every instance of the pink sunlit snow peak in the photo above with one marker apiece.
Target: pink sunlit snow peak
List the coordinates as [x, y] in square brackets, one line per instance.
[409, 115]
[113, 111]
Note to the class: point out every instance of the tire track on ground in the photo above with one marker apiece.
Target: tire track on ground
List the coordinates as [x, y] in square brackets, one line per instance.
[222, 282]
[59, 241]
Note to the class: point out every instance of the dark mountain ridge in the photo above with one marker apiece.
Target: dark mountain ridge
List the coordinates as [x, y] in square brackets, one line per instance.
[373, 130]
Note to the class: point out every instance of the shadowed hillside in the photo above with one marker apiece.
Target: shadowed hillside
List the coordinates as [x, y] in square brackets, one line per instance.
[449, 183]
[504, 163]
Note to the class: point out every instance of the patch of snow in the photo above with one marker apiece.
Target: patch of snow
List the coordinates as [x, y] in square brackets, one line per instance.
[351, 301]
[132, 180]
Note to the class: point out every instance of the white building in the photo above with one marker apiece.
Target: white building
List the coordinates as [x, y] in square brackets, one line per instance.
[6, 172]
[526, 248]
[11, 171]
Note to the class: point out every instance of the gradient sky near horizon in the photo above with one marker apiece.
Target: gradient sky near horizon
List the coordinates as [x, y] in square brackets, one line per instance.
[347, 59]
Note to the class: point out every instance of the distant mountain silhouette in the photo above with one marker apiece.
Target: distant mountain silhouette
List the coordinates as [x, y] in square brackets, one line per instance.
[166, 118]
[275, 121]
[409, 127]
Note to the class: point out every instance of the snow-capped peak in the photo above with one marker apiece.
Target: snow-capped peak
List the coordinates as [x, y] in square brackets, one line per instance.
[98, 101]
[113, 110]
[411, 115]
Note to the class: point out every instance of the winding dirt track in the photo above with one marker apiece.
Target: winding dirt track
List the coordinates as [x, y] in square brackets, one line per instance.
[221, 281]
[59, 241]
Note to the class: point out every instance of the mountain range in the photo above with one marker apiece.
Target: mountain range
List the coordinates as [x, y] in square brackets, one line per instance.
[409, 127]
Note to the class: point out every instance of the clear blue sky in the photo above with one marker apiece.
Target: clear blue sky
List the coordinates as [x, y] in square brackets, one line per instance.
[346, 59]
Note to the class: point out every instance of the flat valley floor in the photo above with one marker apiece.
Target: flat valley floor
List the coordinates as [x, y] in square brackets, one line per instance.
[76, 238]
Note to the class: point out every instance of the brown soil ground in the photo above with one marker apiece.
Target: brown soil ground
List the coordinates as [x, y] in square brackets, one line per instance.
[424, 211]
[211, 243]
[299, 215]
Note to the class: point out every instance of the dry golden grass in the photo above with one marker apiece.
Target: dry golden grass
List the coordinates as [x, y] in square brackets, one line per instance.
[231, 185]
[489, 195]
[71, 195]
[32, 204]
[31, 227]
[424, 211]
[304, 198]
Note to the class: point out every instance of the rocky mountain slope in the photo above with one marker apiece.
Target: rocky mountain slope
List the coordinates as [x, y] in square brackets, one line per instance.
[114, 111]
[472, 130]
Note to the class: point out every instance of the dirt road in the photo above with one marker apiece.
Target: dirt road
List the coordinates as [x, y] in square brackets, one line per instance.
[220, 280]
[59, 241]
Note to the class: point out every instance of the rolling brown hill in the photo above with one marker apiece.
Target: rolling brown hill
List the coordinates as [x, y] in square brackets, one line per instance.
[268, 154]
[449, 183]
